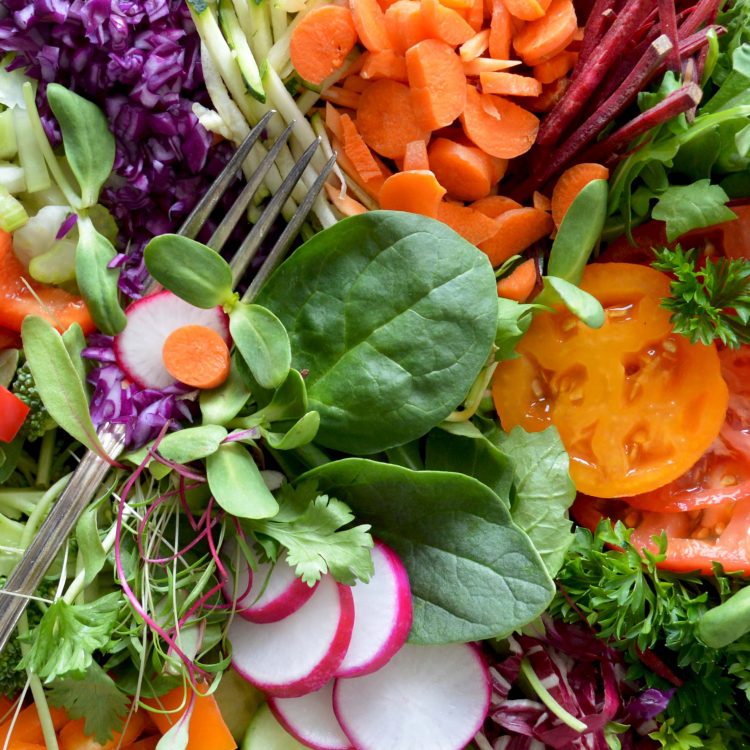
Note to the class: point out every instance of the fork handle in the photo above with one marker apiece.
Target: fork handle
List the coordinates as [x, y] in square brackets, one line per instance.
[55, 530]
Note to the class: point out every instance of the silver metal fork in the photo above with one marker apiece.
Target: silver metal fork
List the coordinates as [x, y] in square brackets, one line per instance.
[91, 471]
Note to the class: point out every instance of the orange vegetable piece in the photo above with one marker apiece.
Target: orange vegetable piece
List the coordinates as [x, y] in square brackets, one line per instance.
[556, 67]
[147, 743]
[518, 228]
[520, 282]
[487, 65]
[386, 118]
[415, 156]
[526, 10]
[570, 183]
[541, 201]
[13, 745]
[357, 151]
[333, 121]
[497, 126]
[371, 187]
[501, 31]
[437, 81]
[472, 225]
[509, 84]
[551, 94]
[369, 21]
[73, 737]
[197, 356]
[386, 63]
[476, 46]
[405, 25]
[475, 15]
[28, 728]
[354, 83]
[445, 23]
[416, 191]
[59, 307]
[466, 172]
[341, 97]
[347, 205]
[542, 39]
[494, 205]
[321, 41]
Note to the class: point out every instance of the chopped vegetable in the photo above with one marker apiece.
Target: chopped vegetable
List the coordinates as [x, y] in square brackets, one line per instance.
[197, 356]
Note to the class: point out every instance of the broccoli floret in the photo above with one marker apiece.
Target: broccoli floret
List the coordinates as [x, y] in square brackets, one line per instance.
[38, 420]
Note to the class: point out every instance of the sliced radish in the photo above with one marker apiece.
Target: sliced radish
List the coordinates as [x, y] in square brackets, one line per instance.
[300, 653]
[382, 615]
[426, 696]
[276, 592]
[138, 348]
[310, 719]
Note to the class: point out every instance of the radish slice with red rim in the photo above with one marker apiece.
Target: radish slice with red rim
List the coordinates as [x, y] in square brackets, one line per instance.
[382, 615]
[426, 696]
[310, 719]
[138, 349]
[300, 653]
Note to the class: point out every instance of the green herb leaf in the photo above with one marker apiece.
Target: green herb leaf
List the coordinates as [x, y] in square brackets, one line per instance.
[192, 443]
[90, 545]
[582, 304]
[302, 432]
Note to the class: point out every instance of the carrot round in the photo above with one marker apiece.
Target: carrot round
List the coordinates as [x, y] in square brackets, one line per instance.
[197, 356]
[321, 41]
[386, 63]
[27, 727]
[415, 157]
[386, 118]
[416, 191]
[369, 21]
[437, 81]
[357, 151]
[465, 172]
[494, 205]
[405, 25]
[526, 10]
[540, 40]
[509, 84]
[556, 67]
[355, 83]
[472, 225]
[570, 183]
[445, 23]
[497, 126]
[517, 229]
[520, 282]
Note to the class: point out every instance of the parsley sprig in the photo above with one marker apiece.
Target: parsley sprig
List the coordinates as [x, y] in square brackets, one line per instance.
[708, 301]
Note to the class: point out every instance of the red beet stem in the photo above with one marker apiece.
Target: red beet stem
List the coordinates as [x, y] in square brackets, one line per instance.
[668, 23]
[609, 49]
[597, 24]
[703, 12]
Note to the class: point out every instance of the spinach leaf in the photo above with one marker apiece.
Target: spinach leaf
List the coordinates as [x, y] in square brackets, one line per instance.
[543, 491]
[473, 573]
[393, 316]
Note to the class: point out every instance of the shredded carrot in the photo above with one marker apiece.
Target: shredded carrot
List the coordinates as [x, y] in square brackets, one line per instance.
[445, 23]
[520, 283]
[509, 84]
[341, 97]
[321, 40]
[570, 183]
[333, 121]
[347, 205]
[405, 25]
[501, 31]
[417, 191]
[472, 225]
[494, 205]
[357, 150]
[371, 187]
[541, 201]
[518, 229]
[466, 172]
[556, 67]
[415, 156]
[487, 65]
[476, 46]
[526, 10]
[197, 356]
[385, 63]
[542, 39]
[369, 20]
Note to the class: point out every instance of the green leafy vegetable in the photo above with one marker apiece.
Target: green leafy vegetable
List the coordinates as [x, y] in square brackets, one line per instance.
[192, 443]
[513, 320]
[221, 405]
[582, 304]
[686, 207]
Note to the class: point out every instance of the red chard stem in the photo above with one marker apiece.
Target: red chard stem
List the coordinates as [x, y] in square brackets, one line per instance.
[668, 23]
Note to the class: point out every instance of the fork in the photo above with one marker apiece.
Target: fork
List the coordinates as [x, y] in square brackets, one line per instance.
[91, 471]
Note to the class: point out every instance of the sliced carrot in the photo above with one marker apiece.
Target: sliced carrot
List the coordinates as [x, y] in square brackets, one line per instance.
[369, 20]
[551, 94]
[357, 150]
[333, 121]
[541, 201]
[73, 737]
[509, 84]
[466, 172]
[445, 23]
[497, 126]
[526, 10]
[461, 5]
[355, 83]
[17, 300]
[321, 40]
[341, 97]
[386, 63]
[556, 67]
[501, 31]
[347, 205]
[542, 39]
[472, 225]
[197, 356]
[520, 283]
[416, 191]
[13, 745]
[517, 229]
[494, 205]
[475, 15]
[570, 183]
[405, 25]
[487, 65]
[387, 120]
[415, 156]
[371, 187]
[207, 728]
[476, 46]
[437, 81]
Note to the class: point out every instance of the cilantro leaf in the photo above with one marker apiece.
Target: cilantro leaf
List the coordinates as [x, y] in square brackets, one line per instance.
[309, 526]
[68, 635]
[93, 696]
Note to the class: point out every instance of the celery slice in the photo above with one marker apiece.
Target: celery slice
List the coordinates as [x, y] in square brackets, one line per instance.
[12, 213]
[8, 145]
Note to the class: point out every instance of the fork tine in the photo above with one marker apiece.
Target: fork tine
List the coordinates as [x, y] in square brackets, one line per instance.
[252, 242]
[198, 216]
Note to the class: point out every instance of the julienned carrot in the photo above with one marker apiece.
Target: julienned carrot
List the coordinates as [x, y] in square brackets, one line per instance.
[501, 31]
[370, 187]
[445, 23]
[347, 205]
[416, 191]
[556, 67]
[520, 282]
[466, 172]
[341, 97]
[476, 46]
[541, 201]
[321, 40]
[59, 307]
[542, 39]
[437, 81]
[386, 118]
[28, 728]
[405, 25]
[472, 225]
[517, 229]
[369, 20]
[386, 63]
[475, 15]
[494, 205]
[415, 157]
[357, 151]
[197, 356]
[487, 65]
[498, 126]
[570, 183]
[509, 84]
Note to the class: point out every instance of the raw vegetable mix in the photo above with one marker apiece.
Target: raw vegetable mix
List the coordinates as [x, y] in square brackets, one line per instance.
[470, 471]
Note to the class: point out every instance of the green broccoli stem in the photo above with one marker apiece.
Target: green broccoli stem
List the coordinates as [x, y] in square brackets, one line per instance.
[46, 458]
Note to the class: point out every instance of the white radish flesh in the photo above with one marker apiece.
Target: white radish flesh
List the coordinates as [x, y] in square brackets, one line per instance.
[311, 720]
[138, 348]
[382, 615]
[434, 697]
[300, 653]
